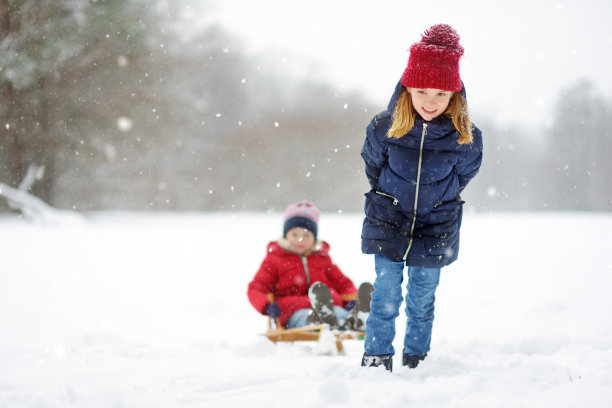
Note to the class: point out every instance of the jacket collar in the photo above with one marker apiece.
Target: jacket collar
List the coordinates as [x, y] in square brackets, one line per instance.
[284, 244]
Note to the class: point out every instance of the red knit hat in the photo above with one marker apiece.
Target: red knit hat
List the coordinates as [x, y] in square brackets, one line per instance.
[434, 61]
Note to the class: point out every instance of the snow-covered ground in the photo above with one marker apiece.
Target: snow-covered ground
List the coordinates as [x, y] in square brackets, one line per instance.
[144, 310]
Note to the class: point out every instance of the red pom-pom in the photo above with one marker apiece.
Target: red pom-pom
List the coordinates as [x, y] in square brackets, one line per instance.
[443, 38]
[442, 35]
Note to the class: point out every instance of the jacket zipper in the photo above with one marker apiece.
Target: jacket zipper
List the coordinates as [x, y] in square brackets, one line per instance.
[416, 194]
[395, 200]
[305, 263]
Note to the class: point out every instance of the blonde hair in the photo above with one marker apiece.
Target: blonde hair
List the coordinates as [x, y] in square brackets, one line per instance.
[404, 114]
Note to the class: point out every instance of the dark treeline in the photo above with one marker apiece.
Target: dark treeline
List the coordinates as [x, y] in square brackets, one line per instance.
[122, 111]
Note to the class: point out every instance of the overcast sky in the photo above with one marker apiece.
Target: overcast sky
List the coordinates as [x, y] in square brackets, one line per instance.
[519, 55]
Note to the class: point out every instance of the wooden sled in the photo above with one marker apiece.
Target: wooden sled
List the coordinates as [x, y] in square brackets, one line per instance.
[310, 333]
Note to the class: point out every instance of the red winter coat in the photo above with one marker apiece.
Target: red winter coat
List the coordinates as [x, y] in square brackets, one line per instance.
[288, 276]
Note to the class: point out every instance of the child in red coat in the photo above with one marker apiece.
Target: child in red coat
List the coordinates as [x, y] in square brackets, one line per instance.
[293, 264]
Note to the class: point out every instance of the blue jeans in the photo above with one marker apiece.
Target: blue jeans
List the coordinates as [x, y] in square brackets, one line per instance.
[298, 319]
[386, 300]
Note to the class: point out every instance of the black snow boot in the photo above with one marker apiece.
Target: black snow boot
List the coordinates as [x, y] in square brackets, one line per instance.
[322, 304]
[412, 361]
[358, 315]
[385, 360]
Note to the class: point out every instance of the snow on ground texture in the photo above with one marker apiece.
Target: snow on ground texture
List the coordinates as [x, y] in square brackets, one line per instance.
[133, 310]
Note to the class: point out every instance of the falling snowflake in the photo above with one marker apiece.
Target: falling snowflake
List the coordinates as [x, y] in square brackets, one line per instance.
[122, 61]
[124, 124]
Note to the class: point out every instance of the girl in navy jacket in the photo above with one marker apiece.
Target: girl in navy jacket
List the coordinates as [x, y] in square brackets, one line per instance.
[419, 155]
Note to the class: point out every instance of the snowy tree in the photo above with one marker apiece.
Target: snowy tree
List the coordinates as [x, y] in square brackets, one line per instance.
[125, 111]
[579, 169]
[46, 48]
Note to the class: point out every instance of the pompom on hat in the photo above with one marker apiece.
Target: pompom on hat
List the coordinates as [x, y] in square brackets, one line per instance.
[303, 214]
[434, 61]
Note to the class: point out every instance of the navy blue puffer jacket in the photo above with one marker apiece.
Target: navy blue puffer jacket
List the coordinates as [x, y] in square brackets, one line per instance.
[414, 209]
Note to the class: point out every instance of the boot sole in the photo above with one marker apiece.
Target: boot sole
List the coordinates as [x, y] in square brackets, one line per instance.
[322, 303]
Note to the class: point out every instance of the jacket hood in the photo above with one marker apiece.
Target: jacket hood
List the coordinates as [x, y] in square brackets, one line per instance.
[398, 90]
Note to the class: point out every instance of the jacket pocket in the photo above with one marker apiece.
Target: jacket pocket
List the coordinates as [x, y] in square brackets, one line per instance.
[384, 207]
[442, 213]
[441, 228]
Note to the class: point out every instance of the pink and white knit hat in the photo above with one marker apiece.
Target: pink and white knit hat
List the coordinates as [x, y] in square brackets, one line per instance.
[303, 214]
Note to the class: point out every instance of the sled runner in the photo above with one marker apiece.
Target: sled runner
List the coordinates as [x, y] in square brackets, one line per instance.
[308, 333]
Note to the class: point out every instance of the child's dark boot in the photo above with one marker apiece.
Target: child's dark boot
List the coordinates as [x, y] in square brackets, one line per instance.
[323, 304]
[358, 315]
[412, 361]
